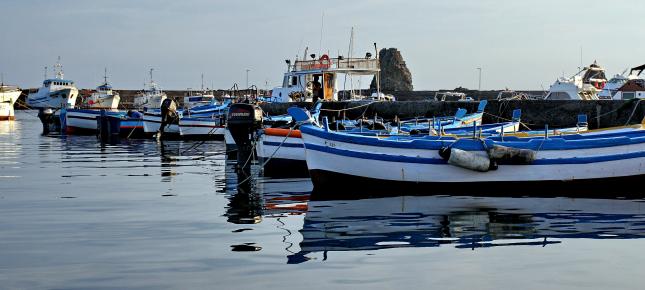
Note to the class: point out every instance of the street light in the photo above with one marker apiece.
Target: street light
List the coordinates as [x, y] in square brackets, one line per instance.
[479, 87]
[247, 77]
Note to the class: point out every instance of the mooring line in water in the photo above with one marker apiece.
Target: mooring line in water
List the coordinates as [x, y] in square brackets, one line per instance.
[272, 155]
[352, 108]
[509, 120]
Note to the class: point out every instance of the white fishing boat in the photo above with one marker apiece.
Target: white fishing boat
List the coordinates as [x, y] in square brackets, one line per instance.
[204, 122]
[282, 152]
[200, 98]
[633, 87]
[602, 161]
[103, 98]
[332, 75]
[55, 93]
[280, 149]
[202, 128]
[8, 97]
[151, 97]
[584, 85]
[152, 119]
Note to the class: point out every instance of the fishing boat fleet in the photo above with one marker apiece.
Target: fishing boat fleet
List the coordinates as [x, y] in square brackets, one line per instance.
[202, 118]
[454, 153]
[448, 154]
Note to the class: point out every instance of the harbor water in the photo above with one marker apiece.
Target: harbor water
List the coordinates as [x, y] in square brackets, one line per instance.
[145, 214]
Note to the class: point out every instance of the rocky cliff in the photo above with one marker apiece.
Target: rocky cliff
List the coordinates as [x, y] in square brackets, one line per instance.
[395, 75]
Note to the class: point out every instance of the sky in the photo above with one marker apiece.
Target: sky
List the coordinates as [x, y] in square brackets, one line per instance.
[523, 44]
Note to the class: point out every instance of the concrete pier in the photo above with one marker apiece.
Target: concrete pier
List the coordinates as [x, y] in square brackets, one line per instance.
[535, 113]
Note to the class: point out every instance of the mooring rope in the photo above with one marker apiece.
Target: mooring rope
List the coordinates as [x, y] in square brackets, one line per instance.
[272, 154]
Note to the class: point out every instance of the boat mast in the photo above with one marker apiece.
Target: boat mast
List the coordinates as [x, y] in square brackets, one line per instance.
[105, 75]
[350, 50]
[58, 68]
[378, 73]
[322, 25]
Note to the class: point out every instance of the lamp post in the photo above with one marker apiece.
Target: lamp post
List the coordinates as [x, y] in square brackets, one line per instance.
[479, 86]
[247, 77]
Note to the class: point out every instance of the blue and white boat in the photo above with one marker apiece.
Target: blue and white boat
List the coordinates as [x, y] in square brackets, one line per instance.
[55, 93]
[152, 123]
[431, 164]
[459, 120]
[280, 148]
[204, 122]
[84, 121]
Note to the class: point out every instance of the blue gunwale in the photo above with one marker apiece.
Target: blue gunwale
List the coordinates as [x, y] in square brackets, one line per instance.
[435, 143]
[425, 160]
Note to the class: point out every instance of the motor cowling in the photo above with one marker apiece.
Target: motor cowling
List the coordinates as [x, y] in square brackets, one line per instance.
[168, 113]
[242, 121]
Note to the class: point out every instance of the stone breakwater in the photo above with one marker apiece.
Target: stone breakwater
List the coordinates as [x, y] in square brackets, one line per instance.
[535, 113]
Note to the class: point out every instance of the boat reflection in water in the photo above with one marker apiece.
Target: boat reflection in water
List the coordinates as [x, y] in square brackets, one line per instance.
[463, 222]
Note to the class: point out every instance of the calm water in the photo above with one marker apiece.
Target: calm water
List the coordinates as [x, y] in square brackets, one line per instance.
[147, 215]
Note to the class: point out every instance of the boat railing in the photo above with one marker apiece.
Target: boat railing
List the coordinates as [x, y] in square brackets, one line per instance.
[347, 64]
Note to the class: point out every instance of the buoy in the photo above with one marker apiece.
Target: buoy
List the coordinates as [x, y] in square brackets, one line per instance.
[469, 160]
[509, 155]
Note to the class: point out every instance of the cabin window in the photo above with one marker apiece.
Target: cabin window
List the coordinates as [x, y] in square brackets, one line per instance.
[294, 81]
[628, 95]
[559, 96]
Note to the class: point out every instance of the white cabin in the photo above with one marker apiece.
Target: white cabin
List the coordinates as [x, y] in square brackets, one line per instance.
[584, 85]
[299, 80]
[55, 93]
[151, 96]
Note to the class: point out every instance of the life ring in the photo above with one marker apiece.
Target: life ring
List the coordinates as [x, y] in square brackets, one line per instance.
[324, 60]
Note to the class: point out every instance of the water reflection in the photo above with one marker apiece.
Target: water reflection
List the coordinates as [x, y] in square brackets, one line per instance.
[463, 222]
[10, 148]
[245, 206]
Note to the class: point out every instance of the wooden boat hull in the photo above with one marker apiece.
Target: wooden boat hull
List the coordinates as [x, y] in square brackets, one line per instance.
[282, 153]
[416, 165]
[201, 128]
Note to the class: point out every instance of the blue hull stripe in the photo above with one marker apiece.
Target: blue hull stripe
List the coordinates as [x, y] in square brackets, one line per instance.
[432, 143]
[420, 160]
[290, 145]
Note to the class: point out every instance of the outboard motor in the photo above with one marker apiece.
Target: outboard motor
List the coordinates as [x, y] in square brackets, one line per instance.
[243, 121]
[168, 114]
[46, 116]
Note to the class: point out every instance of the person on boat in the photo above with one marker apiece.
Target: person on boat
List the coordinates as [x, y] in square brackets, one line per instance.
[317, 90]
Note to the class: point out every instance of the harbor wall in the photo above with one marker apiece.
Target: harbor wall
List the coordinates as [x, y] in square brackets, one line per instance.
[535, 113]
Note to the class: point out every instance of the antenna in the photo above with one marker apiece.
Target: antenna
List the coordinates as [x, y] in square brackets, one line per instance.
[105, 75]
[58, 68]
[378, 73]
[202, 82]
[151, 69]
[322, 25]
[45, 75]
[581, 65]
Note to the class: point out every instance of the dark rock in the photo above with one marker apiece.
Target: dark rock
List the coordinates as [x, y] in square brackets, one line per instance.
[395, 75]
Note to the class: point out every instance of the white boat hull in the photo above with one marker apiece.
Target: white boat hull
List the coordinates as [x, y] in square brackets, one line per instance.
[104, 102]
[7, 100]
[152, 124]
[63, 98]
[282, 156]
[201, 128]
[333, 158]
